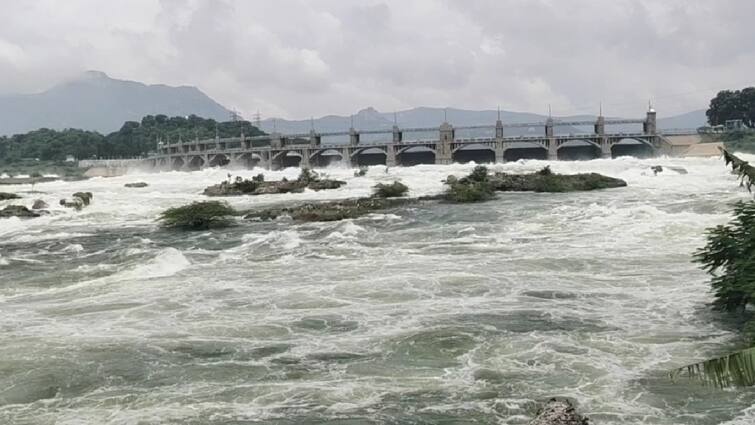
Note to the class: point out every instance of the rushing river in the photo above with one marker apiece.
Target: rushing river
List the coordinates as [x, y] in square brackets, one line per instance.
[426, 314]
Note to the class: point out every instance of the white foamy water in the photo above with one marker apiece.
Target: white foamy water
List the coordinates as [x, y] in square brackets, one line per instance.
[429, 313]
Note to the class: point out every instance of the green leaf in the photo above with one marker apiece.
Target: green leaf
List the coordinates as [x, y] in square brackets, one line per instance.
[736, 369]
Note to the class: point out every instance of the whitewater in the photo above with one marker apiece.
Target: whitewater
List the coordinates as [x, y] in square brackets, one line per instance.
[431, 313]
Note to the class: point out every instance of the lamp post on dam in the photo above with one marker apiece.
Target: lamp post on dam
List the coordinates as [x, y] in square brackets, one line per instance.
[276, 150]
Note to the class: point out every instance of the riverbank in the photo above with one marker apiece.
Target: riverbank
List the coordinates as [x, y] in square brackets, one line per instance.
[26, 168]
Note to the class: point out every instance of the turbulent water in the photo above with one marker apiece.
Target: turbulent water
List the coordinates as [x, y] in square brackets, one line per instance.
[426, 314]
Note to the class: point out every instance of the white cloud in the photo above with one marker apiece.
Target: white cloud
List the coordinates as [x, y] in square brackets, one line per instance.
[297, 58]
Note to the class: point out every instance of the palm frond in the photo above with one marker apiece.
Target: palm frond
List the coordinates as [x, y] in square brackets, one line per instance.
[744, 170]
[736, 369]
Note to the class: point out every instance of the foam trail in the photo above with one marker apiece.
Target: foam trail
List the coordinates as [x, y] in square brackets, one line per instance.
[422, 314]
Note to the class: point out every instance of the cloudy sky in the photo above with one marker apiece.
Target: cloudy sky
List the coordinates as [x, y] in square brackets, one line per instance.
[301, 58]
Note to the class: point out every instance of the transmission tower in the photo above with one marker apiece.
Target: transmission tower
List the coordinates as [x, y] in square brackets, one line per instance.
[257, 118]
[236, 116]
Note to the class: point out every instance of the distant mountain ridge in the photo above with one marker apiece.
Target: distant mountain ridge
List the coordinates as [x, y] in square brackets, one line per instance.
[371, 119]
[94, 101]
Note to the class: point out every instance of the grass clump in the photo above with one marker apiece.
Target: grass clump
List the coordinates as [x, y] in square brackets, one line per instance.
[393, 190]
[470, 192]
[198, 216]
[307, 176]
[476, 187]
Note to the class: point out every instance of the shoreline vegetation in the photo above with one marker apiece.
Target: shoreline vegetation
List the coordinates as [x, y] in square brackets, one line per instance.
[40, 172]
[729, 257]
[133, 139]
[47, 151]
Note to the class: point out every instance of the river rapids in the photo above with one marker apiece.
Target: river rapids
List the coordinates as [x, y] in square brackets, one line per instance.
[428, 314]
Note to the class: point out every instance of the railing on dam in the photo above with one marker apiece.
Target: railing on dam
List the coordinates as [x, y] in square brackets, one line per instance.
[111, 163]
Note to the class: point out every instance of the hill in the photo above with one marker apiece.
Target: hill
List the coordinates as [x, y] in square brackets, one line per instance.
[692, 119]
[371, 119]
[97, 102]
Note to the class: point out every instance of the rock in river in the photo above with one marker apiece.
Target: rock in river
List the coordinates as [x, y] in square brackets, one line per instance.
[4, 196]
[78, 201]
[332, 210]
[39, 205]
[17, 211]
[547, 181]
[255, 187]
[85, 197]
[559, 412]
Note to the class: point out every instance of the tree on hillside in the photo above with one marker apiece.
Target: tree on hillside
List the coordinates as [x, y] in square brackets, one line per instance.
[132, 139]
[732, 105]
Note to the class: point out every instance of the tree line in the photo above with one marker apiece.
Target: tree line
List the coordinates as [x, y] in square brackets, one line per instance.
[133, 139]
[732, 105]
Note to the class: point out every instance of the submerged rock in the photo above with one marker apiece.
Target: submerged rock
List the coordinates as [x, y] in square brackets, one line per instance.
[198, 216]
[75, 203]
[136, 185]
[325, 184]
[659, 169]
[480, 186]
[547, 181]
[78, 201]
[39, 205]
[680, 170]
[257, 186]
[17, 211]
[559, 412]
[86, 197]
[393, 190]
[4, 196]
[332, 210]
[476, 187]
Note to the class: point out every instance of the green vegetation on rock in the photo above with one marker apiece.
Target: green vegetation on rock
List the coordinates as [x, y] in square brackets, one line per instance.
[476, 187]
[308, 179]
[331, 210]
[198, 216]
[547, 181]
[480, 186]
[393, 190]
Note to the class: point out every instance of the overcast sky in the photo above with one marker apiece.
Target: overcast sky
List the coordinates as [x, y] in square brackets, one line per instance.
[301, 58]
